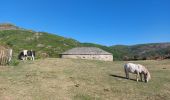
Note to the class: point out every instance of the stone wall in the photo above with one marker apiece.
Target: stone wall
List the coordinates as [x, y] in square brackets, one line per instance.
[5, 55]
[90, 57]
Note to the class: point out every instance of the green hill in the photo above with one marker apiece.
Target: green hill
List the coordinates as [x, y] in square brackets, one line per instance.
[136, 52]
[52, 45]
[41, 42]
[142, 51]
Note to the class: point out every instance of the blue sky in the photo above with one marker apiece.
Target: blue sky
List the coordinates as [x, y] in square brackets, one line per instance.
[106, 22]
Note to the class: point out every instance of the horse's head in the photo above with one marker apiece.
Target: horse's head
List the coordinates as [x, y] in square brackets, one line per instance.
[147, 76]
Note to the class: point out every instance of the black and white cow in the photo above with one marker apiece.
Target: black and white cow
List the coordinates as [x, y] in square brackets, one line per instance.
[27, 53]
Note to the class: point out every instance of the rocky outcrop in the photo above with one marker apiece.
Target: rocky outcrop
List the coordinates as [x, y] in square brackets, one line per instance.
[7, 26]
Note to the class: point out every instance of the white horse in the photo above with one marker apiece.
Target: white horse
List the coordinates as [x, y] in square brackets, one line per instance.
[137, 69]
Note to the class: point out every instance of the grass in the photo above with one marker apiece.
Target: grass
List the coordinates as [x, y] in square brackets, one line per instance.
[69, 79]
[40, 42]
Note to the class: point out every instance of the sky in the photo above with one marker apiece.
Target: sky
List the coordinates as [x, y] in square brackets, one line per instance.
[106, 22]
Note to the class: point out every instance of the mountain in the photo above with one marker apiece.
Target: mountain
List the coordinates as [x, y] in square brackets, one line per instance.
[52, 45]
[8, 26]
[136, 52]
[41, 42]
[142, 51]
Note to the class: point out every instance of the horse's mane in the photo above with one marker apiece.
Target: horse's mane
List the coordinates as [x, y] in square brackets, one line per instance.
[147, 72]
[149, 76]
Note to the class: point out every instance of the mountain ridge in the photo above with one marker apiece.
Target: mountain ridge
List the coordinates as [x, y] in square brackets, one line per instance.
[52, 44]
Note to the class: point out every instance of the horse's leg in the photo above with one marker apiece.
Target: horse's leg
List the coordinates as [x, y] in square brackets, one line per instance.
[137, 75]
[141, 77]
[127, 74]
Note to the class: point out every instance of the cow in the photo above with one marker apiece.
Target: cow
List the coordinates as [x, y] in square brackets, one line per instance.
[27, 53]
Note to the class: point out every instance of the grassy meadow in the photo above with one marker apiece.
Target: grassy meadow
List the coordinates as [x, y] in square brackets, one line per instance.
[69, 79]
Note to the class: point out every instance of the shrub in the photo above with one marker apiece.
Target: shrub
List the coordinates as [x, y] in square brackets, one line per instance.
[14, 62]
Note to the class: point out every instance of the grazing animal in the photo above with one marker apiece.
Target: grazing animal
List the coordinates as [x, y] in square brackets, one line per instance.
[138, 70]
[27, 53]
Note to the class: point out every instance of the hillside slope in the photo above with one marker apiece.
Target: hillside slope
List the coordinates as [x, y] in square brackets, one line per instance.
[142, 51]
[51, 45]
[136, 52]
[41, 42]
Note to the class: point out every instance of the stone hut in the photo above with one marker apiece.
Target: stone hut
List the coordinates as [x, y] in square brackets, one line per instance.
[91, 53]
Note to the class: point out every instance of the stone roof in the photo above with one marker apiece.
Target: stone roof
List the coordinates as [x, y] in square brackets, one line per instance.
[86, 51]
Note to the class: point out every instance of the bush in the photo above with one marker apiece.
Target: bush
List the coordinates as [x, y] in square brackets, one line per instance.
[14, 62]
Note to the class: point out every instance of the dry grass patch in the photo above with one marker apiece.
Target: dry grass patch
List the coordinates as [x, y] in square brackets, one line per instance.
[68, 79]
